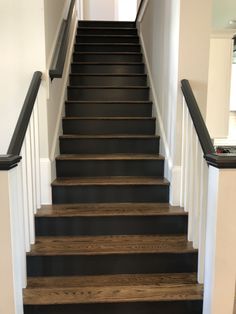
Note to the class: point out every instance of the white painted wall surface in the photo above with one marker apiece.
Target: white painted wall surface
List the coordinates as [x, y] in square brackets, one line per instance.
[159, 32]
[177, 47]
[22, 49]
[126, 10]
[218, 99]
[99, 10]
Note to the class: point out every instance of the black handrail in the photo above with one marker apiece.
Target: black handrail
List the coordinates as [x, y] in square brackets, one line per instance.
[212, 158]
[59, 56]
[139, 10]
[23, 120]
[12, 158]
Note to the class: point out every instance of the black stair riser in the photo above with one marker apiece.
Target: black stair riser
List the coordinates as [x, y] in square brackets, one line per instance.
[108, 94]
[165, 307]
[110, 194]
[106, 31]
[110, 68]
[107, 39]
[103, 127]
[109, 146]
[107, 24]
[107, 48]
[111, 225]
[79, 57]
[108, 80]
[94, 168]
[75, 265]
[108, 110]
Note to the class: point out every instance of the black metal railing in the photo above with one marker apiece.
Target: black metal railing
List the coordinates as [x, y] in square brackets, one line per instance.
[59, 56]
[212, 158]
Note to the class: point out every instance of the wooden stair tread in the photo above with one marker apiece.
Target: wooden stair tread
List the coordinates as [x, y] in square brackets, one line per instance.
[106, 53]
[108, 63]
[114, 288]
[110, 118]
[133, 102]
[109, 28]
[106, 87]
[128, 136]
[106, 35]
[83, 181]
[108, 74]
[106, 245]
[107, 44]
[113, 209]
[109, 157]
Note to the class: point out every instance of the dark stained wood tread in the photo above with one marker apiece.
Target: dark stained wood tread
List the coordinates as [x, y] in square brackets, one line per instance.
[105, 28]
[108, 74]
[83, 181]
[107, 245]
[128, 136]
[109, 118]
[113, 209]
[110, 157]
[106, 35]
[108, 63]
[128, 102]
[107, 44]
[106, 53]
[112, 288]
[106, 87]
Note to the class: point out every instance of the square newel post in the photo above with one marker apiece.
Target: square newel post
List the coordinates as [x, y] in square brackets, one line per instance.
[11, 261]
[220, 261]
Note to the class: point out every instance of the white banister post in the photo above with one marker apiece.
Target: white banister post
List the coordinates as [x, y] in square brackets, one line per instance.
[11, 301]
[220, 261]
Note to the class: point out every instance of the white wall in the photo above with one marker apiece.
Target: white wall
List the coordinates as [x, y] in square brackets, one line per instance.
[177, 47]
[223, 11]
[22, 52]
[126, 10]
[99, 10]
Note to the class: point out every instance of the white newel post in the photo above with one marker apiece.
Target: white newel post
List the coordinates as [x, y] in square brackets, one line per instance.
[11, 264]
[220, 260]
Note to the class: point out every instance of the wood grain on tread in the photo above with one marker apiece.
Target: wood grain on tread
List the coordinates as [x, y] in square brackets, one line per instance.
[103, 245]
[122, 288]
[109, 181]
[109, 102]
[107, 87]
[110, 118]
[110, 157]
[115, 209]
[121, 136]
[107, 74]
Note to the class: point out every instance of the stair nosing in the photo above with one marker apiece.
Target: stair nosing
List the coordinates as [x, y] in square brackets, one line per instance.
[110, 181]
[108, 102]
[107, 44]
[110, 157]
[109, 118]
[107, 53]
[106, 35]
[109, 210]
[106, 63]
[108, 74]
[111, 245]
[106, 87]
[121, 136]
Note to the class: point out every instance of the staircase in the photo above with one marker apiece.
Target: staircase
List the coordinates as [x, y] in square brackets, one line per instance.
[110, 243]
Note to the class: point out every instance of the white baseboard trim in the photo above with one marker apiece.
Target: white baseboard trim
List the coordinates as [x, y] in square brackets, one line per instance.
[46, 179]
